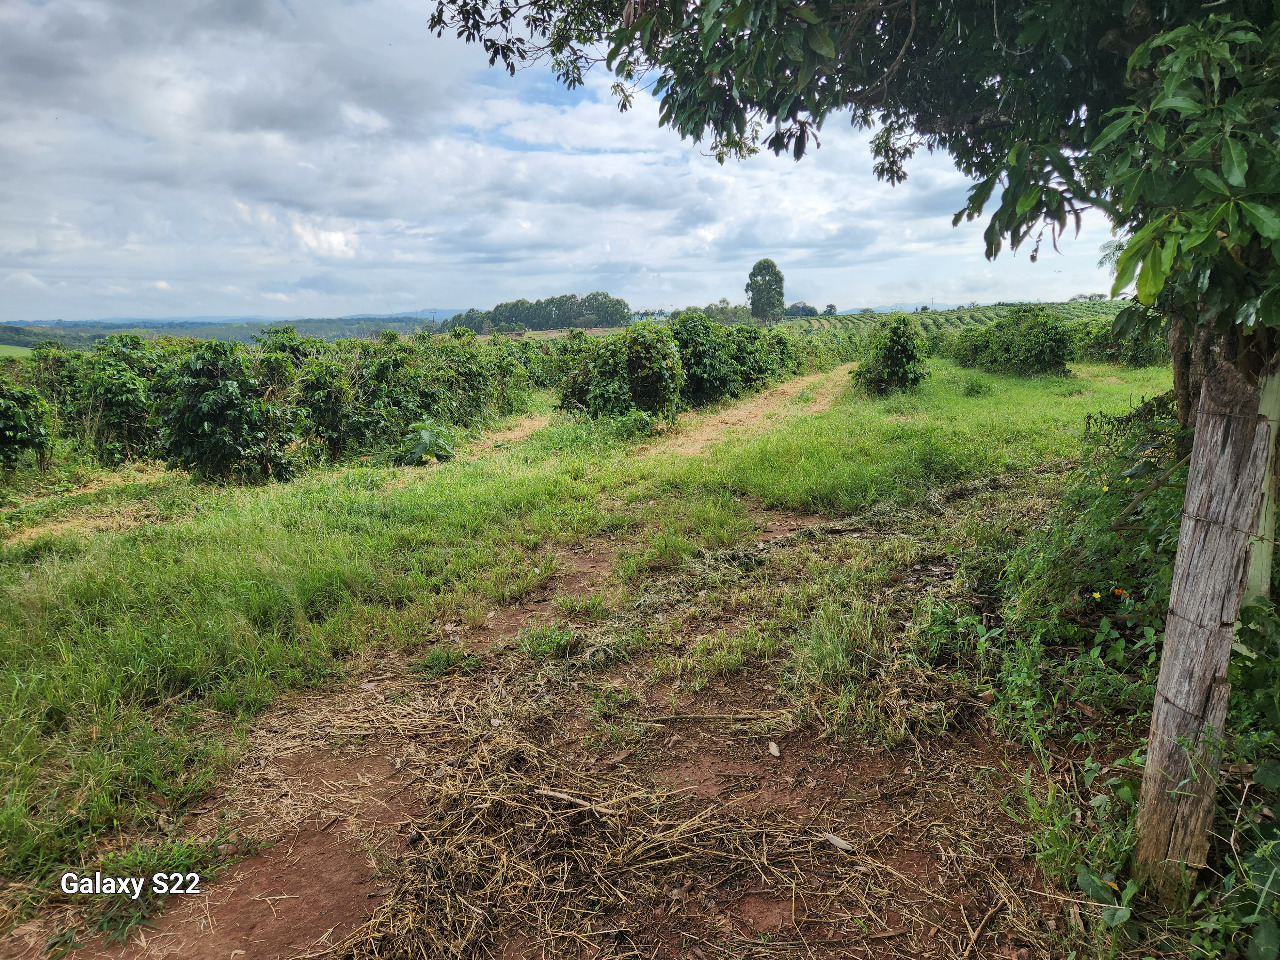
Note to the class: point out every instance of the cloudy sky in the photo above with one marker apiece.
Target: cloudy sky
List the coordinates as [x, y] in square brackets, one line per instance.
[328, 157]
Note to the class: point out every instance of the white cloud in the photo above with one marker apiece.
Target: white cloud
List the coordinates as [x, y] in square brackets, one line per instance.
[342, 159]
[21, 278]
[162, 285]
[323, 243]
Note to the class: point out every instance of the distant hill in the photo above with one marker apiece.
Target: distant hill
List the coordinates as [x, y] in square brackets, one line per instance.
[81, 334]
[904, 306]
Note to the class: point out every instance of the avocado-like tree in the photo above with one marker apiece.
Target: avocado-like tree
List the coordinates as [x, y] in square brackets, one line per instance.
[1162, 116]
[764, 291]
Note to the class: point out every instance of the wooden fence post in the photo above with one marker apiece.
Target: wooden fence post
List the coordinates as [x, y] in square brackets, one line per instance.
[1230, 502]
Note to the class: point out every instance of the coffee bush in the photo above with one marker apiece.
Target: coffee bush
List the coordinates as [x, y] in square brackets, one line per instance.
[1094, 340]
[221, 419]
[24, 426]
[638, 369]
[708, 358]
[1026, 341]
[893, 356]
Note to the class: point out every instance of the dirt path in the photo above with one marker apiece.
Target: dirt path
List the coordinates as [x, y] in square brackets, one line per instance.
[754, 415]
[390, 805]
[522, 429]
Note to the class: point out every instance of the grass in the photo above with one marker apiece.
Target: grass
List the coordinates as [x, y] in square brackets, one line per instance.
[893, 451]
[8, 350]
[130, 658]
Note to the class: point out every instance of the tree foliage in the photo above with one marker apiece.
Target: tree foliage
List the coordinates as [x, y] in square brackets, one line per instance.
[594, 310]
[1162, 115]
[765, 291]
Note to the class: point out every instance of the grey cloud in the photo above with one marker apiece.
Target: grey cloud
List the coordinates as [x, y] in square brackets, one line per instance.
[332, 157]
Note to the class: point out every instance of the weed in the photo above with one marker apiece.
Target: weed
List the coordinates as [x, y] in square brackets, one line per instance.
[591, 607]
[550, 642]
[441, 660]
[717, 655]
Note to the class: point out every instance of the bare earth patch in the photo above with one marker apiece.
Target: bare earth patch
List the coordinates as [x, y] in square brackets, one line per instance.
[499, 438]
[488, 814]
[754, 415]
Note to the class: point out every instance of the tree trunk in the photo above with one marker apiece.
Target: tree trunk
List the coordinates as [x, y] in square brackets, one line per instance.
[1229, 510]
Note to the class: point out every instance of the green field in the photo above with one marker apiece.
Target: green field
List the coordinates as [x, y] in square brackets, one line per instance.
[793, 547]
[10, 351]
[932, 321]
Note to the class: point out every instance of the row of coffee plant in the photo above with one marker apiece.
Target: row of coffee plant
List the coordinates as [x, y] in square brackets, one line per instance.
[1038, 339]
[652, 370]
[229, 411]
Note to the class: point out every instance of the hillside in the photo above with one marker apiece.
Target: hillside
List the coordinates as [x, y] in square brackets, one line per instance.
[934, 320]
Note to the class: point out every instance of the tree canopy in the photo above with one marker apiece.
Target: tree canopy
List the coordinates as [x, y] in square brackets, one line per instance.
[1021, 94]
[765, 291]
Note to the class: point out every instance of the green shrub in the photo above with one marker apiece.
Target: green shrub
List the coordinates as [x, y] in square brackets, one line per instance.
[24, 426]
[893, 356]
[972, 386]
[1025, 341]
[707, 356]
[638, 369]
[1093, 339]
[755, 356]
[538, 357]
[940, 342]
[113, 401]
[326, 399]
[220, 420]
[287, 340]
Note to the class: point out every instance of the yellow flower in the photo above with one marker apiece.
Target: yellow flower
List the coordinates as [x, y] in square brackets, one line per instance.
[1097, 595]
[1105, 488]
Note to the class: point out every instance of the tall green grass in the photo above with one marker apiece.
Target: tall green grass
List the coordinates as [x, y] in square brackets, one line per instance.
[862, 452]
[127, 659]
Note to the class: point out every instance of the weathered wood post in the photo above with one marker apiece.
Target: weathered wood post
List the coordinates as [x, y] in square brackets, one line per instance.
[1223, 560]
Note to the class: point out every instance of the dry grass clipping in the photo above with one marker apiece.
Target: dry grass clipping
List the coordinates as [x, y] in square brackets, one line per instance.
[518, 849]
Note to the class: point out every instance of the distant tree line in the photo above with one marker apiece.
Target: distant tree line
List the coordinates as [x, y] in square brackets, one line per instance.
[594, 310]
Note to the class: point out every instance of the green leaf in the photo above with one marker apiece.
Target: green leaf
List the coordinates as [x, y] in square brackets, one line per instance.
[1155, 268]
[1267, 776]
[1235, 163]
[1113, 131]
[820, 41]
[1114, 916]
[1094, 886]
[807, 15]
[1126, 267]
[1265, 220]
[1212, 181]
[1029, 199]
[1181, 104]
[1265, 943]
[1156, 134]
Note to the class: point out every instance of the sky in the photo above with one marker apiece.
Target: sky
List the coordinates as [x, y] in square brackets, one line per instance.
[163, 158]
